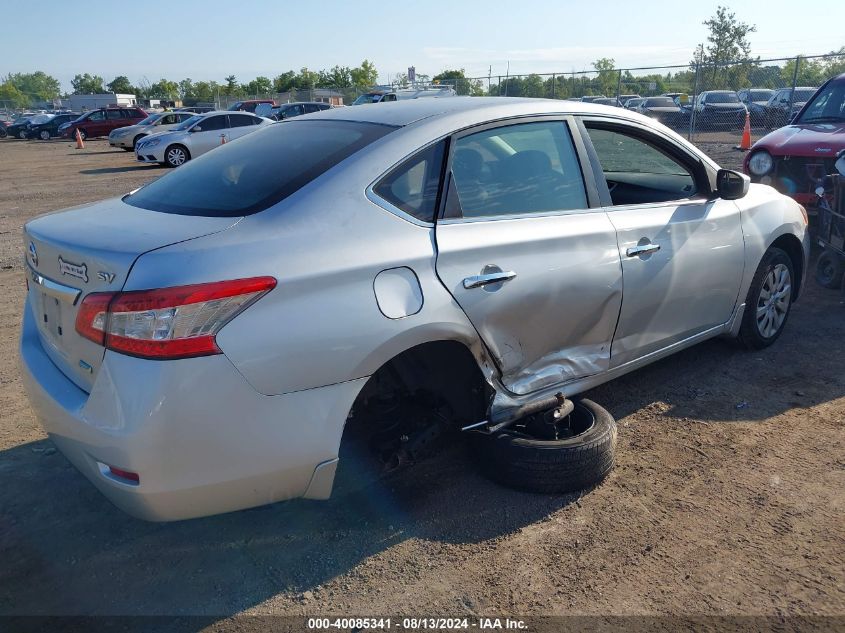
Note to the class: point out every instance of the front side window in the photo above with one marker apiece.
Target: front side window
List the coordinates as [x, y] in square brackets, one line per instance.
[261, 169]
[413, 185]
[517, 169]
[637, 171]
[97, 115]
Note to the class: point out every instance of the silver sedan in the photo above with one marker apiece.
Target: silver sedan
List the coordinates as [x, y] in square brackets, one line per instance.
[218, 338]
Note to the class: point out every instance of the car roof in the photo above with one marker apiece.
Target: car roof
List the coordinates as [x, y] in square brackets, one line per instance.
[472, 109]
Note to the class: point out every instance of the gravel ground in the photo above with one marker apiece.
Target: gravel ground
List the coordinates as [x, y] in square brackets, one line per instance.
[728, 497]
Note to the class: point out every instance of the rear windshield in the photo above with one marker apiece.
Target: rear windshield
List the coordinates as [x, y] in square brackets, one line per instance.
[659, 102]
[257, 171]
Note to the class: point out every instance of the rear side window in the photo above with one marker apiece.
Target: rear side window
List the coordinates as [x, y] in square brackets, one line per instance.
[258, 171]
[516, 169]
[413, 185]
[211, 123]
[240, 120]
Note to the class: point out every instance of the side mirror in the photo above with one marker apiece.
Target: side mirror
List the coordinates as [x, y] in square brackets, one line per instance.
[196, 128]
[731, 185]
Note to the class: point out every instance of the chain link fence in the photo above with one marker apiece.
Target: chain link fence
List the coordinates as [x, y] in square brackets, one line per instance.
[704, 102]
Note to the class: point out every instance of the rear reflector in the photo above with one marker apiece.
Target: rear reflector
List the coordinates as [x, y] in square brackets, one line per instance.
[167, 323]
[124, 474]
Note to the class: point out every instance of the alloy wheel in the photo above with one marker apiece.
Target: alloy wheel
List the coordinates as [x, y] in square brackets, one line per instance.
[176, 156]
[773, 301]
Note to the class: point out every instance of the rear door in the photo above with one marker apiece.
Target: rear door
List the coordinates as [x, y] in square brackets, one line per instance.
[681, 248]
[241, 125]
[527, 253]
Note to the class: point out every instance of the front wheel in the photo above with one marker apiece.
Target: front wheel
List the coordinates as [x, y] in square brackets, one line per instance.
[44, 135]
[176, 155]
[22, 135]
[768, 301]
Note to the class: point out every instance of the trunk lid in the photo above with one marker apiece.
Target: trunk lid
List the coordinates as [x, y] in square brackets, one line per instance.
[87, 249]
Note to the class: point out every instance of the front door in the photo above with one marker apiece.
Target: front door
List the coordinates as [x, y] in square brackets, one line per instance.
[527, 254]
[681, 248]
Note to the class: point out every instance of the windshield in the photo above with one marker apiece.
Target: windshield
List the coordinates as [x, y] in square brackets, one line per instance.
[828, 105]
[760, 95]
[257, 171]
[150, 119]
[370, 97]
[41, 118]
[722, 97]
[189, 123]
[661, 102]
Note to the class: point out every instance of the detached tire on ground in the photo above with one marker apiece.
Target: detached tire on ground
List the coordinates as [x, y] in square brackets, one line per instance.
[515, 458]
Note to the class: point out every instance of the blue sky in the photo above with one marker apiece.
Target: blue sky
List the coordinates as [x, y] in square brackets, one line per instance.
[214, 38]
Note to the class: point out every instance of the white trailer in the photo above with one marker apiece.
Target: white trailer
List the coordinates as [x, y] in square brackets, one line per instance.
[83, 103]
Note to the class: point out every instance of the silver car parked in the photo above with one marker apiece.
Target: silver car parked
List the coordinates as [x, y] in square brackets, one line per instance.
[216, 339]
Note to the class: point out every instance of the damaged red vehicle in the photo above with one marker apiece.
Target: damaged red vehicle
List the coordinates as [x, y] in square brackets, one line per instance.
[795, 158]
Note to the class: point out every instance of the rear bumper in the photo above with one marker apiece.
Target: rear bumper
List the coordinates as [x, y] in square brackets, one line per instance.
[202, 440]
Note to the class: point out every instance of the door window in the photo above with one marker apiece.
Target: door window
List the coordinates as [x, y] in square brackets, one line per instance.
[209, 124]
[168, 119]
[637, 171]
[114, 115]
[99, 115]
[240, 120]
[413, 185]
[517, 169]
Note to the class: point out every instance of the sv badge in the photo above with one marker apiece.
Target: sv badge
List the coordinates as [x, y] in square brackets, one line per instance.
[104, 276]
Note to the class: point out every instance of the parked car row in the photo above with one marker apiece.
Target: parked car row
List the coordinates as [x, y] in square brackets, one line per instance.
[716, 109]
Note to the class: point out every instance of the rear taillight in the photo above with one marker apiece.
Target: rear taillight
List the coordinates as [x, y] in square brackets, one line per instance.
[167, 323]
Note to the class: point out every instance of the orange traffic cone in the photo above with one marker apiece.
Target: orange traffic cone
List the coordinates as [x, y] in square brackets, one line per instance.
[79, 143]
[222, 139]
[745, 143]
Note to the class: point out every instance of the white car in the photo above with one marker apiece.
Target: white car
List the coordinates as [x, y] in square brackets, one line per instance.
[196, 136]
[127, 137]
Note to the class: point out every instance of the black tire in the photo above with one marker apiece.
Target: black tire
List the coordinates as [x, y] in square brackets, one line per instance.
[135, 142]
[22, 135]
[44, 135]
[170, 155]
[82, 134]
[750, 333]
[518, 460]
[830, 267]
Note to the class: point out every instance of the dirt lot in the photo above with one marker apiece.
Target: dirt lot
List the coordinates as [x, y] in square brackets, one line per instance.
[728, 497]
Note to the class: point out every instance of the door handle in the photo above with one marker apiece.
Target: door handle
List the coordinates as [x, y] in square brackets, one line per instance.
[477, 281]
[642, 249]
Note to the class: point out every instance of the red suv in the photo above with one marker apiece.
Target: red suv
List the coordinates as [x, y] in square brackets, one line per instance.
[101, 122]
[796, 158]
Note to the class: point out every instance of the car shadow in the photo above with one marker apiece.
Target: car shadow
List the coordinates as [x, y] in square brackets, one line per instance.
[114, 170]
[721, 381]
